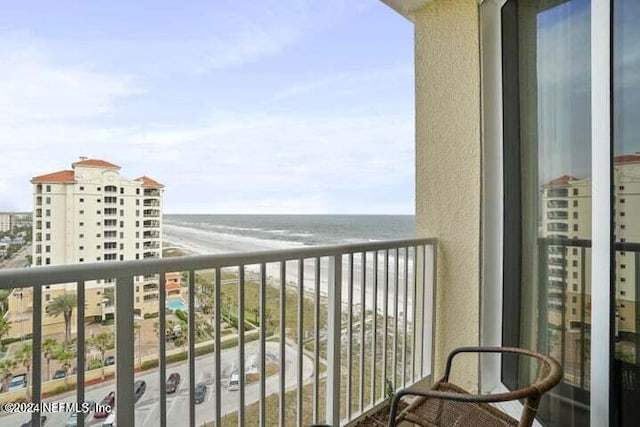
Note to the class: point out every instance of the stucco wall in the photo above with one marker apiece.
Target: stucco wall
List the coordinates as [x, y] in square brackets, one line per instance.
[448, 168]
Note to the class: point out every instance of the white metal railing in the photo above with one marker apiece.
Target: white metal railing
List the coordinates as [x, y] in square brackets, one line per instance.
[373, 325]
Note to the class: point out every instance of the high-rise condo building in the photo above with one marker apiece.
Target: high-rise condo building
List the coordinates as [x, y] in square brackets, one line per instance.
[91, 213]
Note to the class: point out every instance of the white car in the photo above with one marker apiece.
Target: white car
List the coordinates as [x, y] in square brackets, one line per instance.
[234, 381]
[17, 382]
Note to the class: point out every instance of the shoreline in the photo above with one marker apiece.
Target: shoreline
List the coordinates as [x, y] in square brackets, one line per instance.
[206, 242]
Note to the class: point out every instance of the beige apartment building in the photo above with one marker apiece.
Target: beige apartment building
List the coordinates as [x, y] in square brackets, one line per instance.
[91, 213]
[566, 207]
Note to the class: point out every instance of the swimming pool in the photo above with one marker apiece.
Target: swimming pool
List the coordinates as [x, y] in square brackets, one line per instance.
[176, 304]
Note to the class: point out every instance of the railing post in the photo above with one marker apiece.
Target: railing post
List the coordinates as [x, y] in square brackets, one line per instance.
[334, 335]
[125, 413]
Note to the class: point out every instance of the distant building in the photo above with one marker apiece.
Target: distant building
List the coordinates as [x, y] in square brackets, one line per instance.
[91, 213]
[7, 222]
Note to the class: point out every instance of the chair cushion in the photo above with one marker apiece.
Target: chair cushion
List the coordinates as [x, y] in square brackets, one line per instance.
[431, 412]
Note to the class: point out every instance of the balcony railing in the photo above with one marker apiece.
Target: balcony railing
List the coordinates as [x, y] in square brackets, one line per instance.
[373, 327]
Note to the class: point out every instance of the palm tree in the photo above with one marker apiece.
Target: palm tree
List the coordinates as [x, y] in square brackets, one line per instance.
[5, 327]
[65, 355]
[63, 304]
[6, 370]
[49, 348]
[102, 342]
[24, 357]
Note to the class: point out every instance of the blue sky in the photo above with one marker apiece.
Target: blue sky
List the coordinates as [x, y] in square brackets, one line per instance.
[264, 107]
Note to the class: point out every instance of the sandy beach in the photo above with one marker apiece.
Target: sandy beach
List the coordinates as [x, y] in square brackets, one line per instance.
[198, 241]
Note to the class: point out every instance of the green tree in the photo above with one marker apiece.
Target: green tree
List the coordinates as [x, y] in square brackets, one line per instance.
[65, 355]
[5, 327]
[49, 348]
[102, 342]
[24, 357]
[63, 304]
[7, 367]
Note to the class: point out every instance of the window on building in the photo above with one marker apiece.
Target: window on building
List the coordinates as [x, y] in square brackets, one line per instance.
[621, 213]
[623, 293]
[575, 215]
[621, 200]
[574, 263]
[47, 224]
[575, 227]
[47, 261]
[81, 248]
[137, 245]
[137, 212]
[99, 200]
[97, 258]
[623, 279]
[98, 212]
[48, 190]
[81, 189]
[98, 235]
[121, 224]
[97, 246]
[623, 227]
[121, 235]
[121, 257]
[81, 259]
[623, 266]
[47, 249]
[121, 246]
[81, 212]
[47, 297]
[121, 212]
[575, 191]
[137, 223]
[574, 251]
[81, 236]
[575, 203]
[47, 200]
[82, 224]
[137, 234]
[99, 189]
[121, 190]
[575, 288]
[47, 236]
[137, 256]
[47, 212]
[574, 299]
[121, 202]
[81, 200]
[137, 202]
[573, 311]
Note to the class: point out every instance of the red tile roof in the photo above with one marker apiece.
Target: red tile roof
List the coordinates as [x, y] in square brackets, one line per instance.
[563, 180]
[173, 287]
[57, 177]
[627, 158]
[148, 182]
[95, 163]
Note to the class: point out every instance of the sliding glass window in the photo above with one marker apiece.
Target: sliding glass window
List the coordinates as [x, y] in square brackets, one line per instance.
[626, 210]
[547, 187]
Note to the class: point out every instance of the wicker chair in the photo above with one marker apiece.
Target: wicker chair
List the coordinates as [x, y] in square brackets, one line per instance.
[446, 404]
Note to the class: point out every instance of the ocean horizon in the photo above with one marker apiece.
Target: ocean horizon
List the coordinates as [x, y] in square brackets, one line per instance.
[219, 233]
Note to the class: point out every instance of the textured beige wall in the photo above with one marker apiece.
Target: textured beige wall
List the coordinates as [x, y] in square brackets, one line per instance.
[448, 168]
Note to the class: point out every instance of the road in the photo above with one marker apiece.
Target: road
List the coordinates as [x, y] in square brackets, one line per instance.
[148, 407]
[18, 260]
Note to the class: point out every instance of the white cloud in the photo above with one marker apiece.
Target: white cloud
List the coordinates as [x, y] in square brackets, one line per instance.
[34, 88]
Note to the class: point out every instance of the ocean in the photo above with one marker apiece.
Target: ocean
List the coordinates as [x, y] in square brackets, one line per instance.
[233, 233]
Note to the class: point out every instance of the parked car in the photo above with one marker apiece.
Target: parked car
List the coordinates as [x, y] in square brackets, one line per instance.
[138, 389]
[109, 360]
[200, 392]
[234, 381]
[109, 401]
[17, 382]
[173, 382]
[43, 422]
[60, 373]
[72, 421]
